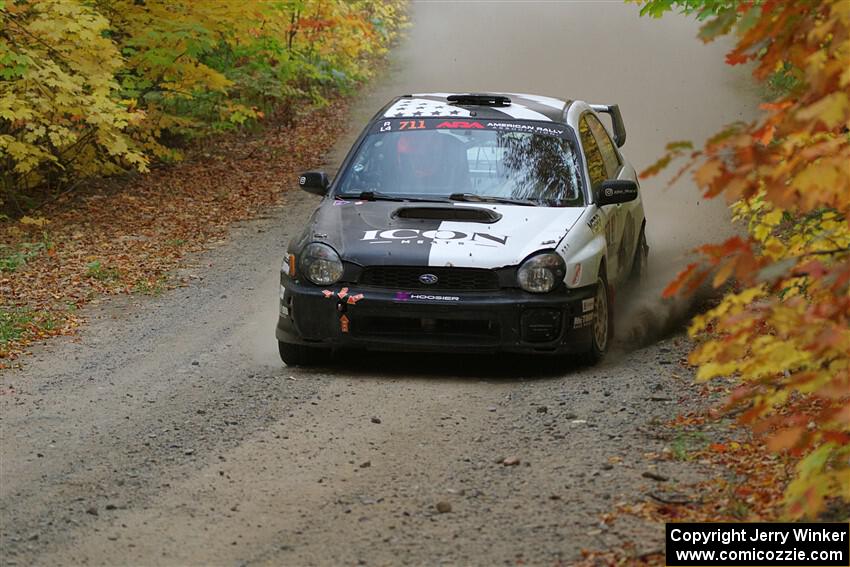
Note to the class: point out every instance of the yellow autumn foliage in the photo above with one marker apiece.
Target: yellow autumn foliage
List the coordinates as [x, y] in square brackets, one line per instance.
[95, 87]
[59, 113]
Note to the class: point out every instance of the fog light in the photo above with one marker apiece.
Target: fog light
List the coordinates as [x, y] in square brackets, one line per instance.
[541, 325]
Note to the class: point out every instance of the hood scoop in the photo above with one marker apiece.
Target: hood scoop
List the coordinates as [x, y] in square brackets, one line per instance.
[462, 214]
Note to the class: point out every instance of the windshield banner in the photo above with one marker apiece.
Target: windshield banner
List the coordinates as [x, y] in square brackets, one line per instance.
[408, 124]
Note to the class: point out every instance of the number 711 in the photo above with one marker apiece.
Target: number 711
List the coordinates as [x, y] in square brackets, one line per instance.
[411, 125]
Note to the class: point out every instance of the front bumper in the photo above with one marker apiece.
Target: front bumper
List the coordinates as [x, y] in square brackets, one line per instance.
[508, 320]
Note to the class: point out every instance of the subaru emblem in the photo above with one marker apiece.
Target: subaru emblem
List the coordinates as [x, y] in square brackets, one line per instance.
[428, 279]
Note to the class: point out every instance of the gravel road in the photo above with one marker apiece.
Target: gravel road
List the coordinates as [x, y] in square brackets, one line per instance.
[171, 434]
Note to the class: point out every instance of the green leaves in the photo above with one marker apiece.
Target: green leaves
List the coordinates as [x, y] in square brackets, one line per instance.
[702, 9]
[12, 65]
[720, 25]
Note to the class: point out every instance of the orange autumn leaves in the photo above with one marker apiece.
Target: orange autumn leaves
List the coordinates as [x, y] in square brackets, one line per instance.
[783, 327]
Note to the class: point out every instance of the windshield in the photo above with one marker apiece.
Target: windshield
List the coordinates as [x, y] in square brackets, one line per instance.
[467, 161]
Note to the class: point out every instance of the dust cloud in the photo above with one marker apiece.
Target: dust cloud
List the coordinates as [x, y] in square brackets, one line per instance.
[642, 316]
[669, 85]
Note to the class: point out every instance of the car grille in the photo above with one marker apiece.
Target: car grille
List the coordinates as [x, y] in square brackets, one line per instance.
[407, 278]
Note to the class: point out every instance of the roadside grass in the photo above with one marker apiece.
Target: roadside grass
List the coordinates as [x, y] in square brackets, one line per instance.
[151, 286]
[737, 509]
[19, 254]
[21, 325]
[100, 272]
[686, 445]
[13, 324]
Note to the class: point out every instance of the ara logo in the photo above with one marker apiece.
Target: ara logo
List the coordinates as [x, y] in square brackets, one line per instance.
[417, 236]
[460, 124]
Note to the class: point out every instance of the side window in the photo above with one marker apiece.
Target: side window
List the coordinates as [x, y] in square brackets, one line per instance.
[595, 161]
[609, 154]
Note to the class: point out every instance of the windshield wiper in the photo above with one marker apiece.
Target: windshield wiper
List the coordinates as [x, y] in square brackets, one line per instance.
[376, 196]
[473, 198]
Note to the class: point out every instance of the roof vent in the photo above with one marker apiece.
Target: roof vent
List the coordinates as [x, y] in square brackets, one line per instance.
[479, 99]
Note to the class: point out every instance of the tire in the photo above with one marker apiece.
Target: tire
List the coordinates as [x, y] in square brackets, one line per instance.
[640, 263]
[602, 327]
[300, 355]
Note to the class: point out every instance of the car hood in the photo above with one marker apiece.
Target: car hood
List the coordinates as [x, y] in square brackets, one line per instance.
[438, 234]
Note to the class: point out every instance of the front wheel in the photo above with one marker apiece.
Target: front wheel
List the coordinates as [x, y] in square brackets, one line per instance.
[601, 329]
[300, 355]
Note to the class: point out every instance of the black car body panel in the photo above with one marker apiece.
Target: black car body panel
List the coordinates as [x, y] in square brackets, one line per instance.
[508, 320]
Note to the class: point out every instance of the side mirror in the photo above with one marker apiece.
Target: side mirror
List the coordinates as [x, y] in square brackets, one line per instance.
[315, 182]
[614, 191]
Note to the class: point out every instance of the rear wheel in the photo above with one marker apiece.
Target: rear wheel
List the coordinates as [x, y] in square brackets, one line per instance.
[300, 355]
[601, 328]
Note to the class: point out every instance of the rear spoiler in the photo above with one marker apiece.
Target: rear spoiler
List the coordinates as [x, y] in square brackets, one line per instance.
[613, 111]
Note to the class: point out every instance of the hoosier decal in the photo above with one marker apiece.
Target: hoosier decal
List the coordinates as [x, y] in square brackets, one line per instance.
[407, 295]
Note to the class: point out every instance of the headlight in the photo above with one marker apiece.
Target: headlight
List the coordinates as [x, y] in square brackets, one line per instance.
[320, 264]
[541, 273]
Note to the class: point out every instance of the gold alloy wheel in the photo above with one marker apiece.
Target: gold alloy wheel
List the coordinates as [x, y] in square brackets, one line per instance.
[600, 321]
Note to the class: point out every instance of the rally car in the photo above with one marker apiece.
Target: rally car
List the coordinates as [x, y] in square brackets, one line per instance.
[467, 223]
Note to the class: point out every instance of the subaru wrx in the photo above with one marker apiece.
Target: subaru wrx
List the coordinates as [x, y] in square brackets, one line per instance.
[468, 223]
